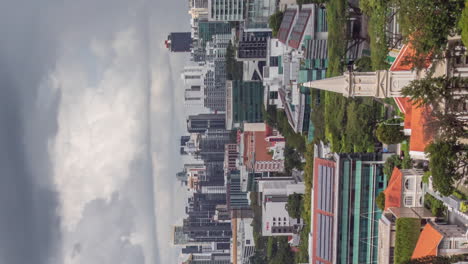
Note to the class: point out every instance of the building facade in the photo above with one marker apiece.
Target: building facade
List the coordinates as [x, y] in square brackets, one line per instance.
[344, 212]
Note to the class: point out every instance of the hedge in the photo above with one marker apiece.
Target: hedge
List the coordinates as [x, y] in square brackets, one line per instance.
[407, 234]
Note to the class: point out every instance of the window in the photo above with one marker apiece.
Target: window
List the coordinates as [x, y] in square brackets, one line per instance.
[420, 200]
[247, 241]
[408, 200]
[408, 184]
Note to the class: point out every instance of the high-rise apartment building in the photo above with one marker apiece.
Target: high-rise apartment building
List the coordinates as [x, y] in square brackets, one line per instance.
[202, 122]
[179, 42]
[226, 10]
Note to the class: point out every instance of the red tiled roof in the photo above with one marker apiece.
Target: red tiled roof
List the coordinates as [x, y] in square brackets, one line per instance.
[428, 242]
[255, 147]
[401, 62]
[421, 134]
[416, 118]
[406, 107]
[394, 189]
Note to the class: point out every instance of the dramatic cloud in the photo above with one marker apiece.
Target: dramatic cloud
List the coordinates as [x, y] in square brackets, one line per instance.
[88, 107]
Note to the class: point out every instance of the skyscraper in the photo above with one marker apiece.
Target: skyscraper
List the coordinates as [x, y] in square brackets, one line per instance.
[179, 42]
[200, 123]
[226, 10]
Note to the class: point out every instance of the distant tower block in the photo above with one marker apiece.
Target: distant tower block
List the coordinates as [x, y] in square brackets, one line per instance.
[179, 42]
[378, 84]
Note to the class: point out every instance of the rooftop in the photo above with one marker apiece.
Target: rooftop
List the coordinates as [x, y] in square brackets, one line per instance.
[394, 189]
[416, 118]
[428, 242]
[286, 24]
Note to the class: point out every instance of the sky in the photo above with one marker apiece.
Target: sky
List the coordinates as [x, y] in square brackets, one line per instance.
[90, 116]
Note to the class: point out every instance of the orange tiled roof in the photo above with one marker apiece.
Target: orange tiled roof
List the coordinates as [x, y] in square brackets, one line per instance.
[394, 188]
[406, 107]
[428, 242]
[416, 118]
[401, 61]
[255, 147]
[421, 134]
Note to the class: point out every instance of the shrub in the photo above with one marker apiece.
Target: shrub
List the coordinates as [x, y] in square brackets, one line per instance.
[463, 207]
[389, 133]
[407, 234]
[274, 22]
[392, 162]
[380, 201]
[436, 206]
[294, 205]
[463, 23]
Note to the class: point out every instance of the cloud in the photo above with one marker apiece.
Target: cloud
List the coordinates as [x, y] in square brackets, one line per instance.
[104, 229]
[78, 136]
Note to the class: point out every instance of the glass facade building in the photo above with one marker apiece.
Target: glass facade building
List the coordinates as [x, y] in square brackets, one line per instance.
[345, 215]
[247, 99]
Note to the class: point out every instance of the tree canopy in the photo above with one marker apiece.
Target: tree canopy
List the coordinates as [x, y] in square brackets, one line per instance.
[463, 24]
[294, 205]
[448, 164]
[274, 21]
[392, 162]
[428, 23]
[380, 201]
[390, 132]
[445, 97]
[436, 260]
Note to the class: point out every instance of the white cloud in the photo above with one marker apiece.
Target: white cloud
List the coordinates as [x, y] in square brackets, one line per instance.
[100, 129]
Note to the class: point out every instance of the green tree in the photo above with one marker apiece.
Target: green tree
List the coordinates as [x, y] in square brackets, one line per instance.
[445, 97]
[363, 64]
[294, 205]
[389, 133]
[437, 260]
[380, 201]
[274, 21]
[392, 162]
[448, 164]
[272, 247]
[463, 24]
[234, 68]
[428, 22]
[270, 115]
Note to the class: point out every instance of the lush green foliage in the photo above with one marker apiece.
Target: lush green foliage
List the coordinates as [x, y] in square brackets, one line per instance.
[407, 234]
[463, 24]
[437, 260]
[292, 159]
[392, 162]
[431, 92]
[363, 64]
[390, 132]
[336, 19]
[380, 201]
[274, 22]
[378, 13]
[278, 119]
[303, 256]
[349, 123]
[428, 22]
[459, 194]
[294, 205]
[463, 207]
[234, 68]
[448, 163]
[436, 206]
